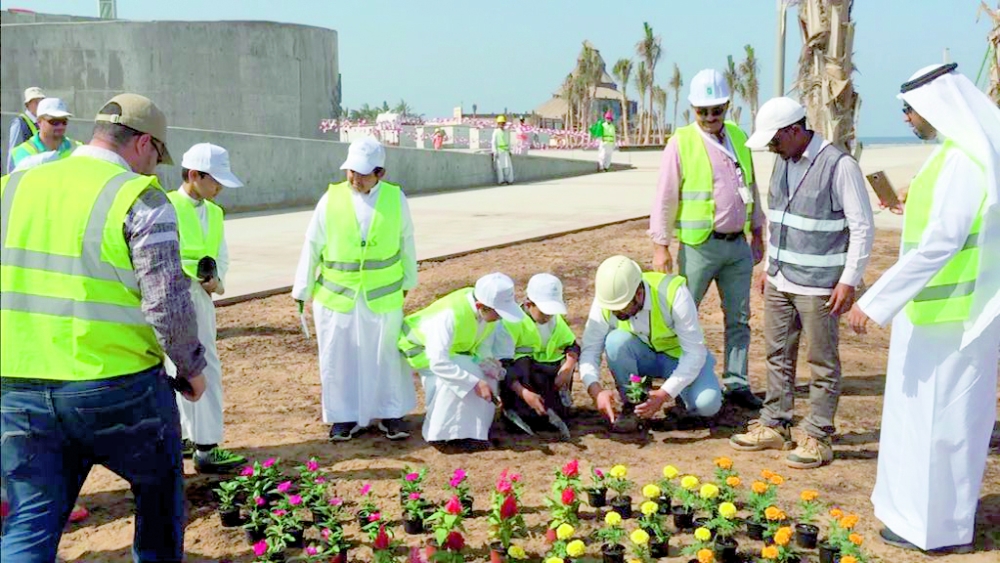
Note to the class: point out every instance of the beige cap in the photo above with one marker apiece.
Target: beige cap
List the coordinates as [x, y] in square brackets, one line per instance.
[33, 93]
[141, 114]
[618, 278]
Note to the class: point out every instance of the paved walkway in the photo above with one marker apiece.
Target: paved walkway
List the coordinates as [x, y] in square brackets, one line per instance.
[265, 247]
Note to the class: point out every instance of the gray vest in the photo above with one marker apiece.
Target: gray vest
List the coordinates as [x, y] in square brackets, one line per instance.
[809, 233]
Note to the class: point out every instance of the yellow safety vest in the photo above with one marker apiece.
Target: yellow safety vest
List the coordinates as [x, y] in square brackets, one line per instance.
[503, 141]
[465, 339]
[528, 340]
[607, 132]
[948, 296]
[195, 242]
[353, 266]
[662, 338]
[70, 306]
[32, 126]
[696, 209]
[35, 146]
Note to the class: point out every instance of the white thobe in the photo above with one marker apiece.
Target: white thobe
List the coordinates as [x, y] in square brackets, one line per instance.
[940, 402]
[604, 153]
[363, 374]
[501, 158]
[454, 411]
[201, 422]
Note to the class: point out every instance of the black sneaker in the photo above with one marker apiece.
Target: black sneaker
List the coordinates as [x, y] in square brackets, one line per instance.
[217, 461]
[745, 398]
[394, 428]
[187, 449]
[343, 431]
[895, 540]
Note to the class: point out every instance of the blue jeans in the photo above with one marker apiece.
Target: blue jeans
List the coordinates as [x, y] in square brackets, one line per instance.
[53, 432]
[627, 355]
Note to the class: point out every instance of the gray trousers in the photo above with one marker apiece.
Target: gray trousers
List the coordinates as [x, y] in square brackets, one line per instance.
[730, 264]
[786, 316]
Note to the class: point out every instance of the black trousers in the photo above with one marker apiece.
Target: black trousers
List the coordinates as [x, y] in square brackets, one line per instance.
[539, 377]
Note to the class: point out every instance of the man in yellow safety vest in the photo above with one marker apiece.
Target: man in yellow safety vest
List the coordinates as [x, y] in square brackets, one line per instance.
[500, 144]
[25, 124]
[53, 117]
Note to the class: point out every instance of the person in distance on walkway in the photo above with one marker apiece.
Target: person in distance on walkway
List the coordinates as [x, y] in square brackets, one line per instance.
[501, 152]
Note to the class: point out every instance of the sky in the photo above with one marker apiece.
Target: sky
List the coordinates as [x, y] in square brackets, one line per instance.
[512, 55]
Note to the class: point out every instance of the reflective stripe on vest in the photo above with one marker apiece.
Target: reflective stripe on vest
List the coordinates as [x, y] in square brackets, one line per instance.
[808, 229]
[608, 133]
[696, 209]
[528, 339]
[465, 339]
[70, 303]
[948, 296]
[352, 265]
[662, 338]
[195, 242]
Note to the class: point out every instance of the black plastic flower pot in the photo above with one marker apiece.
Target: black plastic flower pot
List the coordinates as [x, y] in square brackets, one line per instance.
[701, 522]
[806, 536]
[659, 548]
[298, 539]
[413, 527]
[597, 498]
[829, 553]
[622, 504]
[613, 553]
[725, 548]
[683, 518]
[467, 506]
[755, 530]
[254, 535]
[663, 504]
[230, 517]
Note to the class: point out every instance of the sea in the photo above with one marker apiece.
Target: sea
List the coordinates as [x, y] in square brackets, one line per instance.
[883, 141]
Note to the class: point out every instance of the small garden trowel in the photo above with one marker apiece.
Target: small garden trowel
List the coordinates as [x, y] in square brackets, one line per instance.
[513, 417]
[554, 420]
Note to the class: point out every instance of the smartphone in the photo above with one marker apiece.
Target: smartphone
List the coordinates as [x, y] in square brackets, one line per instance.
[883, 189]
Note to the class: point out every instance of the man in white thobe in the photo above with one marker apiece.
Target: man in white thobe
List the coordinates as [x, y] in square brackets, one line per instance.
[362, 372]
[447, 344]
[942, 298]
[500, 144]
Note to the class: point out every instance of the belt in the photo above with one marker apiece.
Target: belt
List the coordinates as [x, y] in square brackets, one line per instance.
[727, 236]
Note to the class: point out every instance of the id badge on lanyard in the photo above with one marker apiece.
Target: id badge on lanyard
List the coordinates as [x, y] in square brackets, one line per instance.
[745, 194]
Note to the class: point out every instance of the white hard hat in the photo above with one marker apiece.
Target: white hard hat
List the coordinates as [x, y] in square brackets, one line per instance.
[212, 160]
[618, 278]
[708, 88]
[776, 113]
[546, 292]
[496, 291]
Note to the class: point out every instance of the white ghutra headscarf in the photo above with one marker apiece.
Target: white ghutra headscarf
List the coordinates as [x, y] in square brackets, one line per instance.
[960, 112]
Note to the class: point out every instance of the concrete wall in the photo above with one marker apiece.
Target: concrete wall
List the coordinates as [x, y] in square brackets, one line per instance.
[253, 77]
[284, 172]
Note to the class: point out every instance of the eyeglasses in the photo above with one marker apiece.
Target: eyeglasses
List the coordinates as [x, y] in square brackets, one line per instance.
[56, 121]
[157, 147]
[713, 111]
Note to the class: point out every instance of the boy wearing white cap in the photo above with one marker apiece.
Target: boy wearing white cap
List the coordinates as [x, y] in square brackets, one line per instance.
[820, 228]
[707, 196]
[205, 172]
[445, 344]
[545, 353]
[360, 240]
[26, 124]
[53, 117]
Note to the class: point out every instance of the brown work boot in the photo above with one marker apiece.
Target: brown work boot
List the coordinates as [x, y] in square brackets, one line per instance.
[759, 436]
[812, 452]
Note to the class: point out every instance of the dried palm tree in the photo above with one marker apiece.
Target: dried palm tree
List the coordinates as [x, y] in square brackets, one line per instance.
[749, 73]
[735, 83]
[570, 94]
[687, 116]
[642, 83]
[623, 73]
[650, 50]
[994, 51]
[825, 68]
[676, 82]
[660, 103]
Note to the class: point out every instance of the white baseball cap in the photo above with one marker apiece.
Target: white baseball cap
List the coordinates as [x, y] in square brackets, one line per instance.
[776, 113]
[546, 292]
[496, 291]
[53, 107]
[212, 160]
[708, 88]
[33, 93]
[364, 156]
[618, 278]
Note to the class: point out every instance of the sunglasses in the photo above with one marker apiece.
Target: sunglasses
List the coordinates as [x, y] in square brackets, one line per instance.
[907, 109]
[159, 148]
[714, 111]
[56, 121]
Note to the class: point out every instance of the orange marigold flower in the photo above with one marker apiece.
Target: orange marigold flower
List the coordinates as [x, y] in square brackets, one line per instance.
[772, 513]
[759, 487]
[782, 516]
[836, 513]
[848, 522]
[733, 481]
[809, 496]
[724, 463]
[706, 556]
[766, 474]
[856, 539]
[848, 559]
[777, 479]
[770, 552]
[783, 536]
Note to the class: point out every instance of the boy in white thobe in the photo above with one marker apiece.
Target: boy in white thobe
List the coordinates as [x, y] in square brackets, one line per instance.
[608, 138]
[446, 342]
[501, 152]
[942, 297]
[354, 224]
[205, 172]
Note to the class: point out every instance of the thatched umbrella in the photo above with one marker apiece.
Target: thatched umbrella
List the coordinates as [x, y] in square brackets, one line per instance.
[825, 68]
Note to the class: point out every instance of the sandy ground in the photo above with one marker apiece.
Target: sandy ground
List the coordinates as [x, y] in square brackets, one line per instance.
[273, 392]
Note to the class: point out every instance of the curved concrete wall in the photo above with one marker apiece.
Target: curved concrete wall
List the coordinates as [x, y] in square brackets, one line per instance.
[253, 77]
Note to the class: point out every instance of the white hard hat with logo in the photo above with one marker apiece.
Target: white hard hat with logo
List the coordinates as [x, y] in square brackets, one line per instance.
[617, 280]
[708, 88]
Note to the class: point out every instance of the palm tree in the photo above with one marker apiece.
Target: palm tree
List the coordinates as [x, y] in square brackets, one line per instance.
[676, 82]
[402, 108]
[569, 94]
[660, 103]
[623, 73]
[642, 83]
[649, 48]
[687, 116]
[735, 83]
[749, 70]
[590, 69]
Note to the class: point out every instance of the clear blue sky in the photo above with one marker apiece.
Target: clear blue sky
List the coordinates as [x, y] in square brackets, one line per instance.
[437, 54]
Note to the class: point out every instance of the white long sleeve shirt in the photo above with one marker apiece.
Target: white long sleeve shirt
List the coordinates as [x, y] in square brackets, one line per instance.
[222, 262]
[682, 319]
[849, 189]
[364, 210]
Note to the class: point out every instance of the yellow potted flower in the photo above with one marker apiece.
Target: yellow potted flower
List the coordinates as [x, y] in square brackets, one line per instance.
[688, 493]
[806, 533]
[618, 482]
[760, 495]
[612, 535]
[702, 542]
[651, 520]
[727, 479]
[723, 525]
[639, 539]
